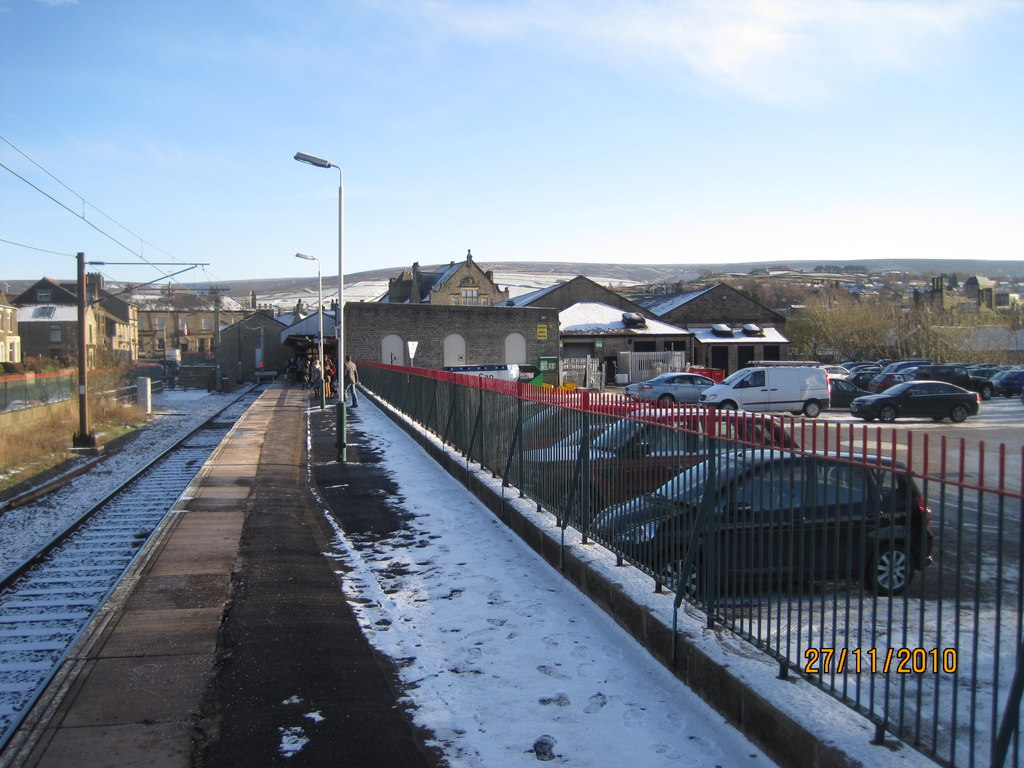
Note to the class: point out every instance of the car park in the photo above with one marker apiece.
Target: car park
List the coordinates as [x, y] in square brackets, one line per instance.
[670, 387]
[842, 392]
[936, 400]
[1009, 383]
[778, 517]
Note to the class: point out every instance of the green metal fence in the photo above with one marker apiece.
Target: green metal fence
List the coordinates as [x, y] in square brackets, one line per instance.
[883, 567]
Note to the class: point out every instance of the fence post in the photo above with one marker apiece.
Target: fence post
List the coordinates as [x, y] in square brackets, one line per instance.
[144, 395]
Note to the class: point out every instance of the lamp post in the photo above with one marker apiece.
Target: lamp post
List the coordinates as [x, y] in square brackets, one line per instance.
[320, 316]
[319, 162]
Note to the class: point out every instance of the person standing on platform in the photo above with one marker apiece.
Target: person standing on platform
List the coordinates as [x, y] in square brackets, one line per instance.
[351, 379]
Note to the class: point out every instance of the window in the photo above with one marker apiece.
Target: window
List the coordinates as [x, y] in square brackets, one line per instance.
[55, 335]
[43, 296]
[160, 323]
[470, 296]
[207, 323]
[40, 312]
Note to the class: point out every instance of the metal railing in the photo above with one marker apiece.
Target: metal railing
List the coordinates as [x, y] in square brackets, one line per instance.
[884, 567]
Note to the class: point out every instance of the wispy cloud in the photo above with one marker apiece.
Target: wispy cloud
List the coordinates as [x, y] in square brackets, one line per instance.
[765, 49]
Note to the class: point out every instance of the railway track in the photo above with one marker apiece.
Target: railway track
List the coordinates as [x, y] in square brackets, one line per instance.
[49, 600]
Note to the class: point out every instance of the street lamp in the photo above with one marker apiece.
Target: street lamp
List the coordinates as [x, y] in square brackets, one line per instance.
[320, 315]
[319, 162]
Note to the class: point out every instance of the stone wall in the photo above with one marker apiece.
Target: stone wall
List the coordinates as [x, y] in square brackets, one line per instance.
[484, 330]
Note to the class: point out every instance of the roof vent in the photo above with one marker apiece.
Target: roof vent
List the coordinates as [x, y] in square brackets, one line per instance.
[753, 330]
[634, 320]
[721, 329]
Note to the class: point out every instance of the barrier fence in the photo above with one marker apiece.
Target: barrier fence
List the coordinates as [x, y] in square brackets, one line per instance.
[882, 566]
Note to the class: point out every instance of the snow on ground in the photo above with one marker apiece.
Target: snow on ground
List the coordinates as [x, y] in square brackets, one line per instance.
[24, 530]
[504, 661]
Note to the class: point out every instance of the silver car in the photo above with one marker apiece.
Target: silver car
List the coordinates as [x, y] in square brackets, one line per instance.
[671, 388]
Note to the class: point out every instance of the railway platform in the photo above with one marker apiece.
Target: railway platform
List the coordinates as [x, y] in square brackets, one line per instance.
[230, 641]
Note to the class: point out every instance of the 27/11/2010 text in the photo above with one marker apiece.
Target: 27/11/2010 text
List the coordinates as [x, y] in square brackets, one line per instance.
[902, 661]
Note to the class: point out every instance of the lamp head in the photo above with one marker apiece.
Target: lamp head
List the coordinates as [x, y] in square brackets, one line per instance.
[306, 256]
[319, 162]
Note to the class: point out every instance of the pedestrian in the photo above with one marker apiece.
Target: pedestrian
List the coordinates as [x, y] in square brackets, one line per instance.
[329, 378]
[293, 371]
[316, 377]
[351, 379]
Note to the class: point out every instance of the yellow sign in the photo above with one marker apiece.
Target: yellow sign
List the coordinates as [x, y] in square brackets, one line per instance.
[542, 333]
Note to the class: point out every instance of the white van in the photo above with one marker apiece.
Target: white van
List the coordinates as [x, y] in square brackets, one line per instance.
[772, 388]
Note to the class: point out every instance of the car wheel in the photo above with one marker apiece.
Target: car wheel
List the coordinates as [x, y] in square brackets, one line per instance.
[890, 569]
[958, 414]
[812, 409]
[887, 414]
[986, 393]
[727, 405]
[673, 571]
[667, 398]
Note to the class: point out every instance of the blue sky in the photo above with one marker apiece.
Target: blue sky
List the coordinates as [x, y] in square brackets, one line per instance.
[627, 131]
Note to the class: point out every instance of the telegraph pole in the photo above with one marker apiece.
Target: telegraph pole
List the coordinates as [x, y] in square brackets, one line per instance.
[84, 438]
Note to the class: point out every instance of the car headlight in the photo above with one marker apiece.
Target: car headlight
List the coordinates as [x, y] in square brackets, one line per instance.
[642, 534]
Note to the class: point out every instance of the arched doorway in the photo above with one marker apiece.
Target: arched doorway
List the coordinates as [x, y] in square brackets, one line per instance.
[515, 349]
[392, 350]
[454, 350]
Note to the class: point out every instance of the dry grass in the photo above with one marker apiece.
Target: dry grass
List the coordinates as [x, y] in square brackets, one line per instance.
[32, 449]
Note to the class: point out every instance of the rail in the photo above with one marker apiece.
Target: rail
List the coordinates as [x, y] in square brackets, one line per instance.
[884, 567]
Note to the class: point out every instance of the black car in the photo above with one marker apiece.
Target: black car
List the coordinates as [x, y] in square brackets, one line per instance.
[1009, 383]
[842, 393]
[918, 399]
[777, 517]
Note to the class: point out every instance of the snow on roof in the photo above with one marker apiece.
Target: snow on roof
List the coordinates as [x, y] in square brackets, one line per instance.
[767, 336]
[596, 318]
[664, 305]
[41, 313]
[526, 298]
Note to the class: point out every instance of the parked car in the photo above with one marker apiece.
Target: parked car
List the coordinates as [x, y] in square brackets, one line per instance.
[797, 389]
[842, 392]
[635, 455]
[861, 378]
[902, 365]
[986, 371]
[836, 371]
[1009, 383]
[670, 387]
[959, 375]
[882, 381]
[779, 518]
[918, 399]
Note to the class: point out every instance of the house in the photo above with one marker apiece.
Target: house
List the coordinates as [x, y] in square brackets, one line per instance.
[48, 322]
[729, 328]
[459, 284]
[178, 319]
[10, 341]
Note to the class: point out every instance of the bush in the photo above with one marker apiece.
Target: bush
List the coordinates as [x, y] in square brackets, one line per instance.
[12, 367]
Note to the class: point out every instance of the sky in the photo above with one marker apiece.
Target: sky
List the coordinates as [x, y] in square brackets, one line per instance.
[617, 131]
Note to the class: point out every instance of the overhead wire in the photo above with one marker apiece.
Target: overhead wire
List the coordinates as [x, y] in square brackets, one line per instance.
[82, 215]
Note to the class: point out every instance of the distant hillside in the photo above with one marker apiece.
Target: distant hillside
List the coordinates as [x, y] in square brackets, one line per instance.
[551, 272]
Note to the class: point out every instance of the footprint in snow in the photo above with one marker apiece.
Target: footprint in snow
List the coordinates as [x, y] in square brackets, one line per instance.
[596, 703]
[552, 672]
